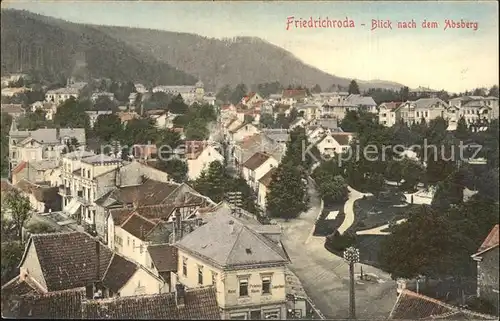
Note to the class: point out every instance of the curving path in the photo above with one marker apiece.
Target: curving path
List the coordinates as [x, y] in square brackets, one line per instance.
[354, 195]
[324, 276]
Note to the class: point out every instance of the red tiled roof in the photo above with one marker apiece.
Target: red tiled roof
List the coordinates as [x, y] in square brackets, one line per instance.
[69, 260]
[199, 303]
[392, 104]
[6, 187]
[256, 161]
[164, 257]
[22, 165]
[413, 306]
[267, 178]
[193, 148]
[294, 93]
[249, 96]
[491, 241]
[53, 305]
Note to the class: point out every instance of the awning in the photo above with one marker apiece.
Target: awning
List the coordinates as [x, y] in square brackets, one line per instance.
[72, 207]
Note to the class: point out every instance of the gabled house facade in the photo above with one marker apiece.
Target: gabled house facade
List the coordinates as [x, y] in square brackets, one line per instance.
[256, 167]
[487, 268]
[246, 264]
[199, 155]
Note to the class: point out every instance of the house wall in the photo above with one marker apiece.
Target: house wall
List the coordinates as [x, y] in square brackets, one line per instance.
[227, 287]
[242, 133]
[143, 282]
[252, 177]
[261, 195]
[329, 146]
[488, 277]
[196, 166]
[131, 247]
[31, 264]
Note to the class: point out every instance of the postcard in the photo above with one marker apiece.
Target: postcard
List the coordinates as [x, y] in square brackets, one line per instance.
[250, 159]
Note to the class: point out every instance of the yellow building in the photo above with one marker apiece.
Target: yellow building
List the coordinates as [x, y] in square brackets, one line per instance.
[245, 262]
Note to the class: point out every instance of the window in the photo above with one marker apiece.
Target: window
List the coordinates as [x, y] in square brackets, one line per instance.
[200, 275]
[133, 245]
[243, 287]
[266, 285]
[255, 315]
[426, 114]
[273, 315]
[128, 241]
[184, 266]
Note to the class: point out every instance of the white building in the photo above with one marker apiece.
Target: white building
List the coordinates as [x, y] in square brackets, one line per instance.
[198, 156]
[188, 93]
[387, 114]
[58, 96]
[256, 167]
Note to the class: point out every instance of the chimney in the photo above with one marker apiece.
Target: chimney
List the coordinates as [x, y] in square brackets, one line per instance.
[179, 295]
[23, 274]
[231, 226]
[178, 224]
[98, 263]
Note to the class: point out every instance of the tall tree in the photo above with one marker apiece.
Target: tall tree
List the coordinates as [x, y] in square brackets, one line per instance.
[418, 246]
[108, 127]
[71, 114]
[462, 131]
[493, 91]
[103, 103]
[353, 88]
[238, 93]
[33, 121]
[11, 254]
[287, 193]
[316, 89]
[19, 208]
[177, 105]
[176, 168]
[404, 93]
[224, 94]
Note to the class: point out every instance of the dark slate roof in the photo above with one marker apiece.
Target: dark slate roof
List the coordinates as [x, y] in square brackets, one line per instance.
[149, 193]
[200, 303]
[118, 273]
[138, 226]
[120, 215]
[256, 161]
[267, 178]
[413, 306]
[68, 260]
[164, 257]
[55, 305]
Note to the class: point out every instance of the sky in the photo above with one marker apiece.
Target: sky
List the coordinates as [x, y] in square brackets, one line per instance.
[452, 59]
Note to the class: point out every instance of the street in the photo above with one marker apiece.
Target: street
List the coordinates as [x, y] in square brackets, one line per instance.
[325, 277]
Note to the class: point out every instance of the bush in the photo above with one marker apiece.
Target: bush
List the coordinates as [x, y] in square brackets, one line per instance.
[336, 242]
[325, 227]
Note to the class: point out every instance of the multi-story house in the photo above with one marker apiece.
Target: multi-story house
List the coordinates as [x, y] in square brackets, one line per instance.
[58, 96]
[291, 97]
[473, 108]
[41, 144]
[332, 143]
[108, 95]
[387, 114]
[38, 171]
[245, 263]
[411, 112]
[198, 156]
[67, 261]
[49, 108]
[250, 99]
[361, 103]
[188, 93]
[94, 114]
[299, 122]
[256, 167]
[309, 111]
[243, 150]
[487, 268]
[241, 132]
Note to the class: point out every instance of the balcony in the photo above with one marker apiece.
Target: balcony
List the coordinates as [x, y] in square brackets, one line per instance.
[64, 191]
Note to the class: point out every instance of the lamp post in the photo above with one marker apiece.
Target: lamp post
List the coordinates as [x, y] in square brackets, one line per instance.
[351, 256]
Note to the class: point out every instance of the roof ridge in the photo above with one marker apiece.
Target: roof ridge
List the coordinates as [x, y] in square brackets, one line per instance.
[263, 239]
[234, 244]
